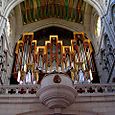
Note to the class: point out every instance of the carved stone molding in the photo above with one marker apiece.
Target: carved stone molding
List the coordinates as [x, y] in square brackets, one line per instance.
[57, 95]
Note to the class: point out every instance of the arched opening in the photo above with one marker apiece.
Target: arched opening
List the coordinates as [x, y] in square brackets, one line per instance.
[74, 13]
[26, 15]
[36, 10]
[52, 50]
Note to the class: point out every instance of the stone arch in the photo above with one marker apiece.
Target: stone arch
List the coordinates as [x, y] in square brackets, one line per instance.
[46, 23]
[49, 23]
[55, 22]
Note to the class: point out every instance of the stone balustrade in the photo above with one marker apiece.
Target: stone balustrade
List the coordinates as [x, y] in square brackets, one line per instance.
[19, 89]
[94, 88]
[80, 88]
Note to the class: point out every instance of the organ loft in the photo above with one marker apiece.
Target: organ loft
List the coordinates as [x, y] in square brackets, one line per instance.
[32, 61]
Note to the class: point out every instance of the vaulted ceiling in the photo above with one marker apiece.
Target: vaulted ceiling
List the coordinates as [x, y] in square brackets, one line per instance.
[35, 10]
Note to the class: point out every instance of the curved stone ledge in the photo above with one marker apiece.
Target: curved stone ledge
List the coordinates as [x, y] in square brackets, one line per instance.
[57, 91]
[49, 80]
[57, 96]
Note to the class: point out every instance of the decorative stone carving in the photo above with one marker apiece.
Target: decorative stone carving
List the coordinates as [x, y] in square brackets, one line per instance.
[1, 61]
[104, 60]
[3, 64]
[57, 79]
[109, 50]
[0, 3]
[106, 2]
[57, 95]
[107, 54]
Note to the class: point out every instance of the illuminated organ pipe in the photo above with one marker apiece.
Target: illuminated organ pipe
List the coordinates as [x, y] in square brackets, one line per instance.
[81, 76]
[31, 59]
[40, 61]
[19, 60]
[53, 55]
[25, 58]
[28, 78]
[59, 57]
[67, 61]
[19, 76]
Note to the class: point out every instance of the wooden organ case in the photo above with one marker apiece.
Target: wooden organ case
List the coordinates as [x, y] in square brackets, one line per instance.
[36, 61]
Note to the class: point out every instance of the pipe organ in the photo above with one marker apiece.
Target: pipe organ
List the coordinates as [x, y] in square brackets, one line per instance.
[32, 62]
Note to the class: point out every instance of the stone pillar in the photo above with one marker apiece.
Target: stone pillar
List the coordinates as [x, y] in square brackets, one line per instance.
[8, 58]
[3, 62]
[5, 58]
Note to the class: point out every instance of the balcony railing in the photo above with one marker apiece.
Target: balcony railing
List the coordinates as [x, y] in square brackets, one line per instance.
[95, 88]
[19, 89]
[80, 88]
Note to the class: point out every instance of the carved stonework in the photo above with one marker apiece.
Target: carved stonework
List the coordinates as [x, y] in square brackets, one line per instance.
[106, 2]
[57, 95]
[3, 63]
[0, 3]
[57, 79]
[104, 60]
[107, 55]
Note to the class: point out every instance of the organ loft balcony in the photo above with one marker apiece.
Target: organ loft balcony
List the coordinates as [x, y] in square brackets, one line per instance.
[56, 95]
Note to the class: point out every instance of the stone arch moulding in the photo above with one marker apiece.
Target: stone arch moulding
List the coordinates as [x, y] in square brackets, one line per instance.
[53, 22]
[49, 23]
